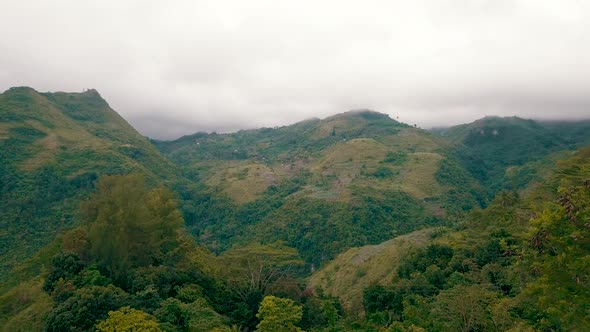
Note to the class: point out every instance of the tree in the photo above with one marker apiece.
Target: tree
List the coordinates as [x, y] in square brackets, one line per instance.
[560, 295]
[278, 315]
[194, 316]
[319, 312]
[127, 319]
[63, 266]
[377, 298]
[252, 269]
[87, 305]
[463, 308]
[76, 241]
[130, 225]
[251, 272]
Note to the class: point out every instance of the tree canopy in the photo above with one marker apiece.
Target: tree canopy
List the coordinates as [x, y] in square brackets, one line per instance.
[131, 226]
[128, 319]
[278, 315]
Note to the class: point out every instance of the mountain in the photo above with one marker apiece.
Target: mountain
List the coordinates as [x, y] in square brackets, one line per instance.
[352, 222]
[53, 147]
[320, 185]
[506, 141]
[574, 133]
[520, 264]
[494, 148]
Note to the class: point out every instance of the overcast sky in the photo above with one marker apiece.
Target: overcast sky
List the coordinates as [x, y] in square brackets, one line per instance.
[177, 67]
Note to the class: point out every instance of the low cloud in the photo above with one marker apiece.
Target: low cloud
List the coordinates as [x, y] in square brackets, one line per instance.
[173, 68]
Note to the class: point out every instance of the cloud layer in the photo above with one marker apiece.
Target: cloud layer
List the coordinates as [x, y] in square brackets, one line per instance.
[176, 67]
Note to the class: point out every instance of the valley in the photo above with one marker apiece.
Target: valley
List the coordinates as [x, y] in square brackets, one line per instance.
[354, 222]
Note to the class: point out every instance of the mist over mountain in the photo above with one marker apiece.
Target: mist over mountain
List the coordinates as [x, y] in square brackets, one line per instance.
[274, 166]
[176, 68]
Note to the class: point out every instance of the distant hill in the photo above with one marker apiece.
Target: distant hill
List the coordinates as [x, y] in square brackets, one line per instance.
[53, 146]
[506, 141]
[492, 145]
[575, 134]
[321, 185]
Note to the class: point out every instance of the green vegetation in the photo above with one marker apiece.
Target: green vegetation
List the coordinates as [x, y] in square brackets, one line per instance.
[497, 270]
[133, 263]
[341, 278]
[320, 186]
[490, 146]
[53, 148]
[285, 143]
[351, 223]
[278, 315]
[127, 319]
[146, 225]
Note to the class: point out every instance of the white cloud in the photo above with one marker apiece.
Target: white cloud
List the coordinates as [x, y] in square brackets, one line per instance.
[175, 67]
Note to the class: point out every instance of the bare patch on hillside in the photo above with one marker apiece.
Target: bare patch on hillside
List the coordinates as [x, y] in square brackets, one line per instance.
[345, 160]
[4, 129]
[336, 126]
[417, 176]
[243, 181]
[412, 140]
[352, 271]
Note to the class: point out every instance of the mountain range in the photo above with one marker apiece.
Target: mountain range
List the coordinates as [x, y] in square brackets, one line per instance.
[370, 205]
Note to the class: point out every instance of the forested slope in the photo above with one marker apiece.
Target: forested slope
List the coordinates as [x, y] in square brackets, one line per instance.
[521, 264]
[479, 227]
[320, 185]
[53, 147]
[492, 146]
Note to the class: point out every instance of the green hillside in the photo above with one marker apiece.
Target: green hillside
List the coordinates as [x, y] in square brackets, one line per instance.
[53, 147]
[574, 133]
[320, 185]
[491, 146]
[355, 222]
[352, 271]
[520, 265]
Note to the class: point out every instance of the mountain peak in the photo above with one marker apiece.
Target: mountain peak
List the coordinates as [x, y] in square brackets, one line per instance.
[92, 93]
[27, 89]
[362, 112]
[20, 91]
